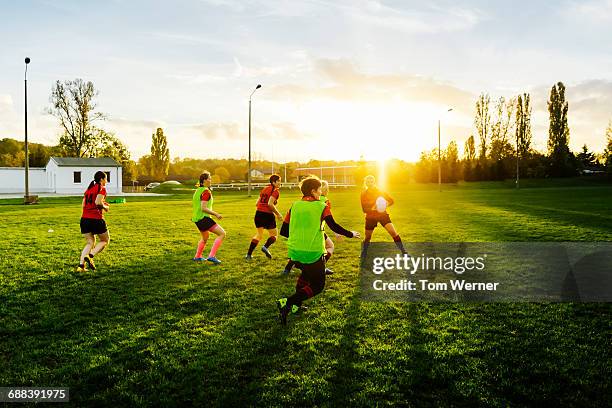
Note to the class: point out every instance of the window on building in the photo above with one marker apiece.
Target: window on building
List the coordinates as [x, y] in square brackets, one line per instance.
[76, 176]
[108, 180]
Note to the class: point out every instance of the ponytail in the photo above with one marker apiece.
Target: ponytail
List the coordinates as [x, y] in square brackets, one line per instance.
[97, 178]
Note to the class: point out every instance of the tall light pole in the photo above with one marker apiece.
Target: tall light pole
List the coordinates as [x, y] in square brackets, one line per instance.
[439, 159]
[249, 173]
[26, 198]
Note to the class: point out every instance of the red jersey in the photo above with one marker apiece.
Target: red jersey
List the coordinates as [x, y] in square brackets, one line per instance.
[368, 200]
[90, 210]
[264, 196]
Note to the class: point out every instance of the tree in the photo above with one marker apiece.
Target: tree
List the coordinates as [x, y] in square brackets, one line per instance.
[469, 155]
[586, 159]
[223, 173]
[558, 133]
[482, 122]
[111, 146]
[160, 155]
[523, 124]
[607, 156]
[72, 102]
[451, 158]
[502, 125]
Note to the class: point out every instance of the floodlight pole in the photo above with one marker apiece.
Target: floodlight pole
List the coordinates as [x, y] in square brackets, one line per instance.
[439, 163]
[26, 198]
[249, 173]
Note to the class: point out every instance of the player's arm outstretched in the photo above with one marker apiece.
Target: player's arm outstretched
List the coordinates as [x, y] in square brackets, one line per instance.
[338, 229]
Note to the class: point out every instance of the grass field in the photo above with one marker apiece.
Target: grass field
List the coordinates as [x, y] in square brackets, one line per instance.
[150, 327]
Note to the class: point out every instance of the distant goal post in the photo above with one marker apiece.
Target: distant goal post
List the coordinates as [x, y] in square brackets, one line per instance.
[337, 176]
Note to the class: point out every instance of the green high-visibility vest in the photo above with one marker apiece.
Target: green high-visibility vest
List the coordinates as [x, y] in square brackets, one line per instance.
[197, 213]
[306, 243]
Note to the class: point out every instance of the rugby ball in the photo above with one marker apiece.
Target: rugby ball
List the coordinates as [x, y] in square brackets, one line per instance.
[381, 204]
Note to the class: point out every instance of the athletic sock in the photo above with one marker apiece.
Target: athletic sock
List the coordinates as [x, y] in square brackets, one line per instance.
[201, 246]
[327, 256]
[289, 265]
[215, 247]
[254, 243]
[398, 243]
[81, 265]
[91, 255]
[270, 241]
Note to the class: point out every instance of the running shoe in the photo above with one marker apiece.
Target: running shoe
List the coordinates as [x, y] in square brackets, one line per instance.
[213, 260]
[90, 263]
[266, 251]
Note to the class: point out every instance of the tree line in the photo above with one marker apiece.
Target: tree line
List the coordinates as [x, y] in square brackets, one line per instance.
[503, 133]
[503, 145]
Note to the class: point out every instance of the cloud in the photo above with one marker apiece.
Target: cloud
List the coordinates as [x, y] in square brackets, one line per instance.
[237, 131]
[136, 134]
[598, 11]
[429, 20]
[6, 103]
[344, 81]
[419, 18]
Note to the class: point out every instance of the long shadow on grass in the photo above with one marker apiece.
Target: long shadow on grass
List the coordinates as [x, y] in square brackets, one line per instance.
[403, 371]
[140, 335]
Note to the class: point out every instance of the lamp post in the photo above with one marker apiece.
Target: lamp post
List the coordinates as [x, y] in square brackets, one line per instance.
[249, 173]
[27, 156]
[439, 159]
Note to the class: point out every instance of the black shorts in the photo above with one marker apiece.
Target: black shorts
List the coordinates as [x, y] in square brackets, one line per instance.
[372, 221]
[265, 220]
[94, 226]
[312, 276]
[205, 224]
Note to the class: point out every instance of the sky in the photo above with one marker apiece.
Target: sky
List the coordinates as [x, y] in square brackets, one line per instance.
[340, 79]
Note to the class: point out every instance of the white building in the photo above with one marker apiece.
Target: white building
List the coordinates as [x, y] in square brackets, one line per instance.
[62, 175]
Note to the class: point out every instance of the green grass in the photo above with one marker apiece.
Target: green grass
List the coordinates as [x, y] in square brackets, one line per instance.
[150, 327]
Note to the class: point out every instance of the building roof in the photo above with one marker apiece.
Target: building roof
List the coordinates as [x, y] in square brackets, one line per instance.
[85, 162]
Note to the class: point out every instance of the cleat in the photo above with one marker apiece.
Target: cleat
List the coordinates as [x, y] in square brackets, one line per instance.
[283, 310]
[81, 268]
[328, 271]
[200, 259]
[266, 251]
[285, 272]
[296, 310]
[90, 263]
[248, 258]
[213, 260]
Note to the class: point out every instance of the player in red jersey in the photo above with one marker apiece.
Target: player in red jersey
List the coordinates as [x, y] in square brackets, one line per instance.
[92, 221]
[373, 216]
[265, 217]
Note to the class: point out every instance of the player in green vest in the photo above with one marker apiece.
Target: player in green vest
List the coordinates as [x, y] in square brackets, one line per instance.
[303, 226]
[202, 210]
[329, 244]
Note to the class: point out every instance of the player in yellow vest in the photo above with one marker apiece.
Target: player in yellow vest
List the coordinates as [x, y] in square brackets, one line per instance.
[303, 226]
[202, 210]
